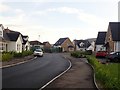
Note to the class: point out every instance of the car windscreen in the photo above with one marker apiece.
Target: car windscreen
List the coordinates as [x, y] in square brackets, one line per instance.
[112, 53]
[38, 50]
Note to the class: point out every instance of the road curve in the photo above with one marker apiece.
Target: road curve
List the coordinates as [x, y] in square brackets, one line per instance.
[35, 73]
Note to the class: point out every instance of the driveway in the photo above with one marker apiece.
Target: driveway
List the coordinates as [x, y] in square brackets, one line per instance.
[102, 60]
[35, 73]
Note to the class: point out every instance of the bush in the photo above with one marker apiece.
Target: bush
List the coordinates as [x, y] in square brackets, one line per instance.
[77, 54]
[26, 53]
[17, 55]
[7, 56]
[88, 52]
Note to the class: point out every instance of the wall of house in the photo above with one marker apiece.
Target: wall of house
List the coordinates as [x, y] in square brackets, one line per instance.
[65, 45]
[11, 46]
[47, 45]
[19, 44]
[117, 46]
[3, 46]
[108, 39]
[100, 48]
[79, 49]
[1, 31]
[92, 46]
[26, 45]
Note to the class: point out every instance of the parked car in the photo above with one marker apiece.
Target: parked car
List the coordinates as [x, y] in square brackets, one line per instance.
[113, 56]
[38, 52]
[101, 54]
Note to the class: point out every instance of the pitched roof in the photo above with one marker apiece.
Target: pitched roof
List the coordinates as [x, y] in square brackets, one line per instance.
[24, 40]
[60, 41]
[115, 30]
[24, 36]
[10, 35]
[13, 36]
[101, 38]
[86, 43]
[5, 35]
[35, 43]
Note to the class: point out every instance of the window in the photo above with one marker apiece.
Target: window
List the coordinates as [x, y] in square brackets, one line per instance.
[2, 46]
[0, 33]
[18, 47]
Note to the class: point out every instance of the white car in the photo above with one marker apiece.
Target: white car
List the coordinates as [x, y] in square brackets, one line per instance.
[38, 52]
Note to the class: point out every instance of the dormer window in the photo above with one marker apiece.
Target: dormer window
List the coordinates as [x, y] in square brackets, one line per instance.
[81, 44]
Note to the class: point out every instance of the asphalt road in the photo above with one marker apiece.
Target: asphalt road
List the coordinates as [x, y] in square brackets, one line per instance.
[35, 73]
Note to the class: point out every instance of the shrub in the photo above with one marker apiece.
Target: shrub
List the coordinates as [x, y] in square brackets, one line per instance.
[7, 56]
[77, 54]
[17, 55]
[26, 53]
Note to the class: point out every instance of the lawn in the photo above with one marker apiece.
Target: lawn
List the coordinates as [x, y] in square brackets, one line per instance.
[106, 74]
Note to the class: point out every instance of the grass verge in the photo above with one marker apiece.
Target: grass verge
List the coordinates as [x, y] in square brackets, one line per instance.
[106, 74]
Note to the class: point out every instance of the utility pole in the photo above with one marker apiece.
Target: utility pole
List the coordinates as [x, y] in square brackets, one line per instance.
[39, 37]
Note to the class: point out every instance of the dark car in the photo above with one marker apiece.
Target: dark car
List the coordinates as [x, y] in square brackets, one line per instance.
[113, 56]
[101, 54]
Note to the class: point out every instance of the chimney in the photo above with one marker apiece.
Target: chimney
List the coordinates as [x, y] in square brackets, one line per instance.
[7, 30]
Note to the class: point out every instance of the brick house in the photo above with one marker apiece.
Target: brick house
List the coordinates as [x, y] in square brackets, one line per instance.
[47, 45]
[112, 41]
[65, 44]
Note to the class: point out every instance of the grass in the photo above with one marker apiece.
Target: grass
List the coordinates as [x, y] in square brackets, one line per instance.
[106, 74]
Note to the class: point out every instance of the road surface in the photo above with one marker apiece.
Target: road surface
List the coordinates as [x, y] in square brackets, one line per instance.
[35, 73]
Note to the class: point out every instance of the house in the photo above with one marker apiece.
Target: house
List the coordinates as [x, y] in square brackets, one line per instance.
[92, 42]
[81, 45]
[112, 41]
[65, 44]
[11, 40]
[100, 41]
[26, 43]
[2, 40]
[47, 46]
[36, 44]
[14, 40]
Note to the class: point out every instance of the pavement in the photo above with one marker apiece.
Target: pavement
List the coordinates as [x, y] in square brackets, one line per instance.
[35, 73]
[80, 76]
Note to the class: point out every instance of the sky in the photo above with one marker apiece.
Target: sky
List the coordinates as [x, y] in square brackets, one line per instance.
[49, 20]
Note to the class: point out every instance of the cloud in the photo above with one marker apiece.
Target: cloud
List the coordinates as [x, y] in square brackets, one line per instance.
[4, 8]
[88, 18]
[67, 10]
[17, 18]
[59, 1]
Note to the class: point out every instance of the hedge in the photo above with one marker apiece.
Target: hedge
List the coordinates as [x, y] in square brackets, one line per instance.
[6, 56]
[106, 74]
